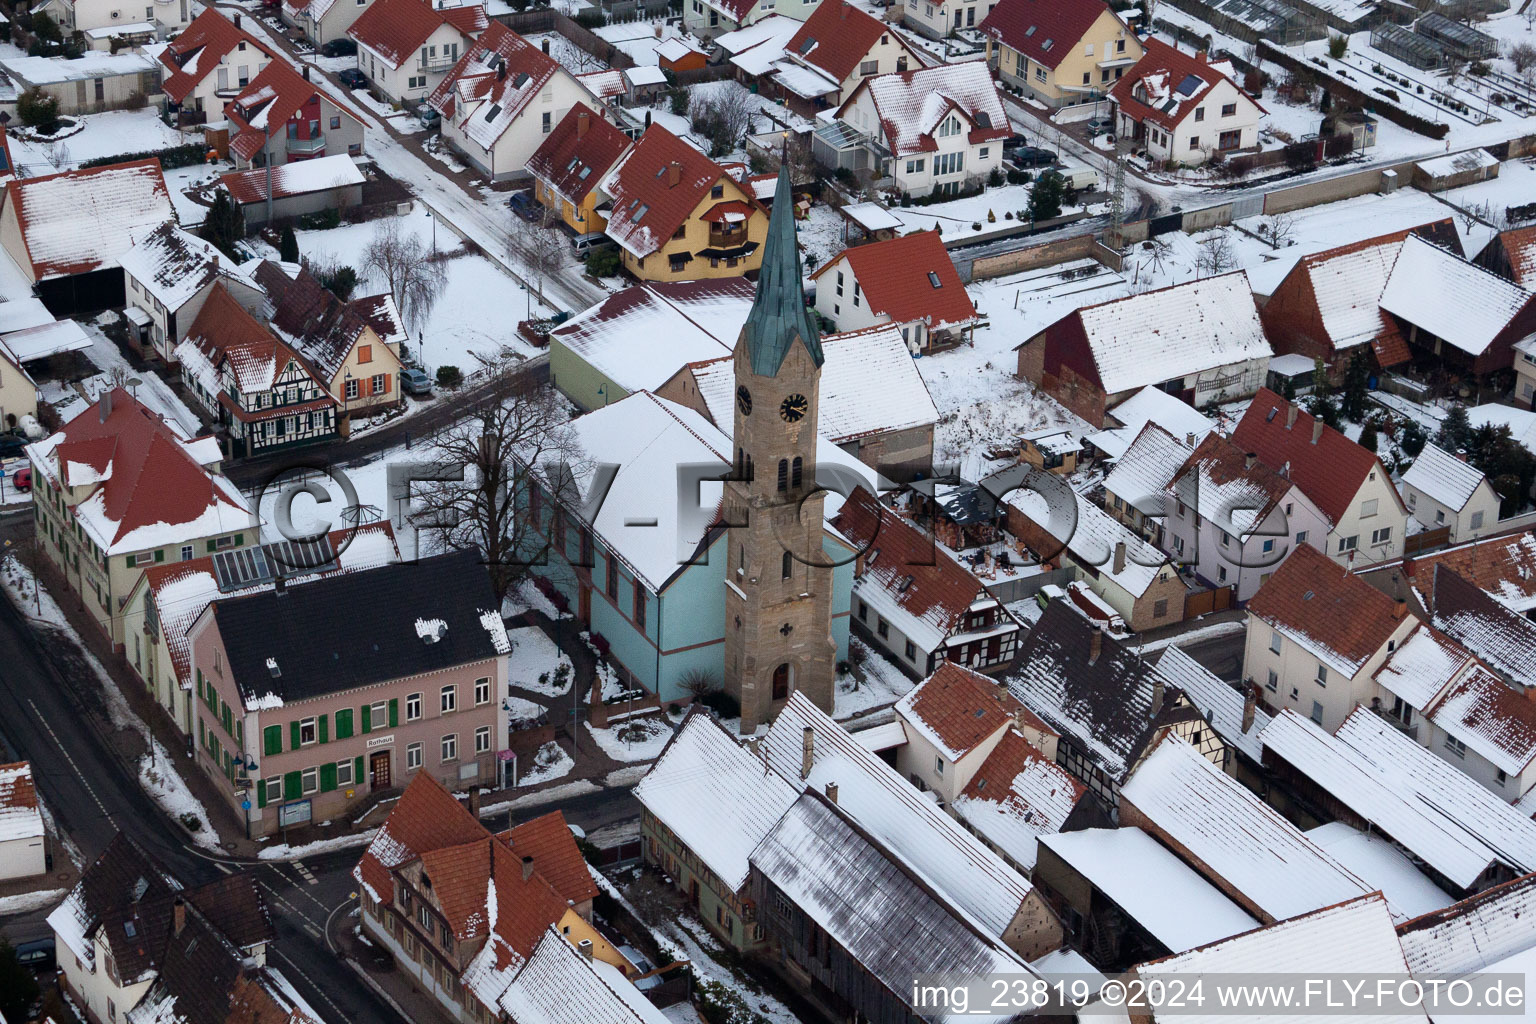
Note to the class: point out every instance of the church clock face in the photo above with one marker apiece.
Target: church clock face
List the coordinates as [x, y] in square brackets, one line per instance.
[744, 400]
[793, 408]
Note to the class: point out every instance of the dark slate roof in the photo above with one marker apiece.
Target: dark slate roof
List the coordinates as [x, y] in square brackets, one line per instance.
[779, 314]
[204, 979]
[361, 629]
[309, 317]
[1104, 706]
[1503, 638]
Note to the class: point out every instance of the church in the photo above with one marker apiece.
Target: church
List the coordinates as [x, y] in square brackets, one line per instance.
[710, 561]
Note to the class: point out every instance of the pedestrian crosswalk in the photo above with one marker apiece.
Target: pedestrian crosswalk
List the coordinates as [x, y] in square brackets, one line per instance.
[304, 873]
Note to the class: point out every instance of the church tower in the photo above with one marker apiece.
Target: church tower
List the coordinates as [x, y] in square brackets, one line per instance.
[778, 585]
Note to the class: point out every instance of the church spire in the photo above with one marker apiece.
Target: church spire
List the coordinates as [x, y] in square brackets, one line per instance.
[778, 312]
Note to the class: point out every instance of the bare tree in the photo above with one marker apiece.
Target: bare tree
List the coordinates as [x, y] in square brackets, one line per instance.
[58, 155]
[1216, 255]
[409, 269]
[1278, 230]
[1523, 55]
[540, 247]
[724, 115]
[517, 435]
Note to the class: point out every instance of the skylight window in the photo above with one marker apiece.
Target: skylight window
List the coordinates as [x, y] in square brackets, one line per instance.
[933, 279]
[1047, 44]
[1029, 31]
[640, 213]
[490, 115]
[572, 165]
[807, 46]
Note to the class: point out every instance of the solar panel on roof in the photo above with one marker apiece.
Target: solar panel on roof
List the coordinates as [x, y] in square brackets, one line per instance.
[247, 567]
[1190, 85]
[983, 119]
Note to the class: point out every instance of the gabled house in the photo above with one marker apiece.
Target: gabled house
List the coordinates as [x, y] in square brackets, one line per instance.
[100, 21]
[1466, 317]
[1475, 616]
[938, 18]
[292, 190]
[677, 215]
[492, 926]
[500, 101]
[1442, 489]
[1512, 255]
[167, 277]
[66, 232]
[23, 837]
[405, 47]
[209, 62]
[118, 489]
[1059, 53]
[1201, 340]
[321, 21]
[572, 161]
[1239, 843]
[1183, 108]
[264, 395]
[1329, 303]
[1233, 711]
[1317, 634]
[932, 130]
[123, 933]
[838, 46]
[914, 601]
[415, 653]
[1349, 485]
[909, 282]
[1136, 488]
[1235, 518]
[1108, 706]
[705, 804]
[170, 596]
[708, 19]
[347, 345]
[1478, 933]
[281, 117]
[1179, 419]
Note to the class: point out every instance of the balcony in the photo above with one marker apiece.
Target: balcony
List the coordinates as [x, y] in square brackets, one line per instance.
[307, 147]
[442, 63]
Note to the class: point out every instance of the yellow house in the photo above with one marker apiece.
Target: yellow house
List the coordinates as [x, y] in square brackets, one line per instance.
[677, 216]
[1060, 53]
[570, 163]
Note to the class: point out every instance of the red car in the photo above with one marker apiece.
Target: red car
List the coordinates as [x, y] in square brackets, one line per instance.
[22, 481]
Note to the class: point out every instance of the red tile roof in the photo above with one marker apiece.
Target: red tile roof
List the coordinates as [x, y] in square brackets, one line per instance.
[397, 29]
[963, 707]
[502, 68]
[1045, 31]
[79, 221]
[1012, 757]
[648, 207]
[836, 38]
[1330, 471]
[195, 54]
[1313, 597]
[1502, 566]
[572, 159]
[909, 118]
[225, 332]
[263, 107]
[1159, 74]
[1520, 249]
[556, 858]
[16, 787]
[894, 276]
[426, 818]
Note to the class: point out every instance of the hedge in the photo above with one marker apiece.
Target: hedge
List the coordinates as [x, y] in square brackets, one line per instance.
[170, 158]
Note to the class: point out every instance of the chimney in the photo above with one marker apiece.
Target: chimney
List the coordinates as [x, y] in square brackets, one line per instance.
[527, 868]
[674, 173]
[1250, 705]
[237, 20]
[104, 405]
[807, 751]
[1399, 609]
[583, 121]
[1290, 416]
[178, 915]
[306, 72]
[1119, 558]
[1200, 55]
[545, 46]
[1189, 439]
[1095, 642]
[1317, 429]
[474, 801]
[832, 791]
[1249, 459]
[585, 945]
[1461, 453]
[1157, 694]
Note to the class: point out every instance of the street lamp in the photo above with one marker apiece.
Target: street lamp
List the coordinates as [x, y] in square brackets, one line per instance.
[434, 230]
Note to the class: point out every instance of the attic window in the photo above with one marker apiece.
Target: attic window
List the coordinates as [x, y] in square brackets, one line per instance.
[130, 929]
[983, 119]
[806, 46]
[520, 80]
[1308, 595]
[661, 170]
[572, 165]
[272, 668]
[644, 209]
[1269, 416]
[490, 115]
[906, 582]
[1047, 44]
[980, 712]
[583, 175]
[1029, 31]
[933, 279]
[981, 784]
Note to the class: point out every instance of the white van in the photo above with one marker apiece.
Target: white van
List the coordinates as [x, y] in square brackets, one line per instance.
[1083, 179]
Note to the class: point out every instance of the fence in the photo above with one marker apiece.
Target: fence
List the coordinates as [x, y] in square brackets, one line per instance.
[1020, 587]
[1343, 90]
[553, 21]
[1028, 258]
[1331, 190]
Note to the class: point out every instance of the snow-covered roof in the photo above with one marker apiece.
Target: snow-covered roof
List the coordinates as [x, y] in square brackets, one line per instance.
[929, 841]
[1476, 158]
[1171, 332]
[1353, 937]
[18, 314]
[1274, 869]
[645, 74]
[1377, 797]
[911, 105]
[805, 82]
[1143, 472]
[1492, 718]
[1382, 866]
[172, 265]
[79, 221]
[1220, 703]
[872, 217]
[1438, 474]
[295, 178]
[656, 187]
[1521, 422]
[47, 340]
[1422, 666]
[20, 815]
[1153, 405]
[493, 83]
[1472, 614]
[1166, 85]
[1455, 300]
[1473, 933]
[1017, 796]
[716, 797]
[873, 905]
[90, 64]
[1156, 890]
[556, 984]
[1346, 285]
[1230, 488]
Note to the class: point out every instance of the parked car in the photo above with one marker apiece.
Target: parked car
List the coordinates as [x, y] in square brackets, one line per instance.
[584, 244]
[1030, 156]
[22, 481]
[1083, 179]
[12, 445]
[427, 116]
[523, 205]
[642, 966]
[352, 79]
[415, 382]
[339, 48]
[37, 955]
[1100, 125]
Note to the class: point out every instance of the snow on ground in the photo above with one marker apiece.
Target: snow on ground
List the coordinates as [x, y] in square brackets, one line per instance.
[526, 596]
[627, 777]
[554, 794]
[1191, 636]
[973, 215]
[639, 739]
[151, 391]
[535, 662]
[458, 331]
[159, 778]
[30, 599]
[282, 851]
[1515, 186]
[100, 135]
[882, 684]
[549, 763]
[567, 54]
[26, 902]
[639, 39]
[181, 180]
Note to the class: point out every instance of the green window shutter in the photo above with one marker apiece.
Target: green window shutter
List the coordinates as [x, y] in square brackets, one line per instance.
[327, 776]
[212, 547]
[202, 735]
[160, 555]
[357, 770]
[325, 728]
[367, 719]
[272, 740]
[240, 733]
[199, 684]
[229, 722]
[293, 735]
[394, 711]
[343, 723]
[293, 786]
[239, 539]
[261, 793]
